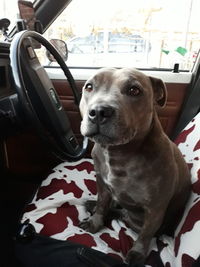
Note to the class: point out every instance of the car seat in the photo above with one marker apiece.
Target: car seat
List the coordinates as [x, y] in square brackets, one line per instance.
[58, 207]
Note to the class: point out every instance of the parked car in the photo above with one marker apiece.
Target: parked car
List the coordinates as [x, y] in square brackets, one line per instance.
[108, 42]
[106, 47]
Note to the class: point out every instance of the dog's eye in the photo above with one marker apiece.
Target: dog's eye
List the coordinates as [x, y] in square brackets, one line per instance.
[88, 87]
[134, 91]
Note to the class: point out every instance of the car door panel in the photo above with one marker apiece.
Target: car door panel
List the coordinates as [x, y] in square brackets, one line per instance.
[170, 113]
[176, 89]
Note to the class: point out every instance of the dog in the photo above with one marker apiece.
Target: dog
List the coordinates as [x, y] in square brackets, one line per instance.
[136, 164]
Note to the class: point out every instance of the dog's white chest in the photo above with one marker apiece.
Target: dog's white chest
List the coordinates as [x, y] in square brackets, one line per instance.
[109, 177]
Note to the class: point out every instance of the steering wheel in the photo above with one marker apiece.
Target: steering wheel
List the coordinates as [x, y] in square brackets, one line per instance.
[38, 96]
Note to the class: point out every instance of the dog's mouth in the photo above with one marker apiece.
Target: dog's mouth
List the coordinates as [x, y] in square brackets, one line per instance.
[101, 135]
[109, 139]
[100, 138]
[114, 133]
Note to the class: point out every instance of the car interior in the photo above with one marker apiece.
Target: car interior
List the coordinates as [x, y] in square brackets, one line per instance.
[45, 162]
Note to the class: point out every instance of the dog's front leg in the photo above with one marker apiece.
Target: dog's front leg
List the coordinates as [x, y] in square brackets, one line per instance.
[152, 222]
[96, 221]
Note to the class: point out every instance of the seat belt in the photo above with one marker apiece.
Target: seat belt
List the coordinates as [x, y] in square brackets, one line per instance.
[190, 109]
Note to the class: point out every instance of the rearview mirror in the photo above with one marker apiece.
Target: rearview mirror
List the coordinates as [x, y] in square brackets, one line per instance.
[61, 46]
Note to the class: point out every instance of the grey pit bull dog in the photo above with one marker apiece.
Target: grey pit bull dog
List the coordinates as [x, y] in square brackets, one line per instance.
[136, 164]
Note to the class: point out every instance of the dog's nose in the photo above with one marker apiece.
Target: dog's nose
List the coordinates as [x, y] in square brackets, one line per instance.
[100, 114]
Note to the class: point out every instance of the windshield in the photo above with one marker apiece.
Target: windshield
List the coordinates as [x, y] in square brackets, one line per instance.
[144, 33]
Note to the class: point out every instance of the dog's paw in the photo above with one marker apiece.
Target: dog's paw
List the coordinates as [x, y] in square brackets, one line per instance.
[89, 226]
[135, 258]
[90, 206]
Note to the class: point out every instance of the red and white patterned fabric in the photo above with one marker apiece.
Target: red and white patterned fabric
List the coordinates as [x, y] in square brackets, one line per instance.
[58, 207]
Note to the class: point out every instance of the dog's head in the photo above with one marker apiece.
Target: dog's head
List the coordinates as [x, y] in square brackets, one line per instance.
[118, 105]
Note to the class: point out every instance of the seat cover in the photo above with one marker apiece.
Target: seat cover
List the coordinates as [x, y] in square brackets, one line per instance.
[58, 207]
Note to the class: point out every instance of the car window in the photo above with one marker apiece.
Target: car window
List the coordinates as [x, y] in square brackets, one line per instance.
[143, 34]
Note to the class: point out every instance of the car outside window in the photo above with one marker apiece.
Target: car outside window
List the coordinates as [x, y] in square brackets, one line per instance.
[144, 34]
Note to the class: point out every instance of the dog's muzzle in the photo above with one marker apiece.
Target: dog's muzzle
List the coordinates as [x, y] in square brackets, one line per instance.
[101, 124]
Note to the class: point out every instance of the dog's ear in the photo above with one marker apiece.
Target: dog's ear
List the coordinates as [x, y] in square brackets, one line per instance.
[160, 91]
